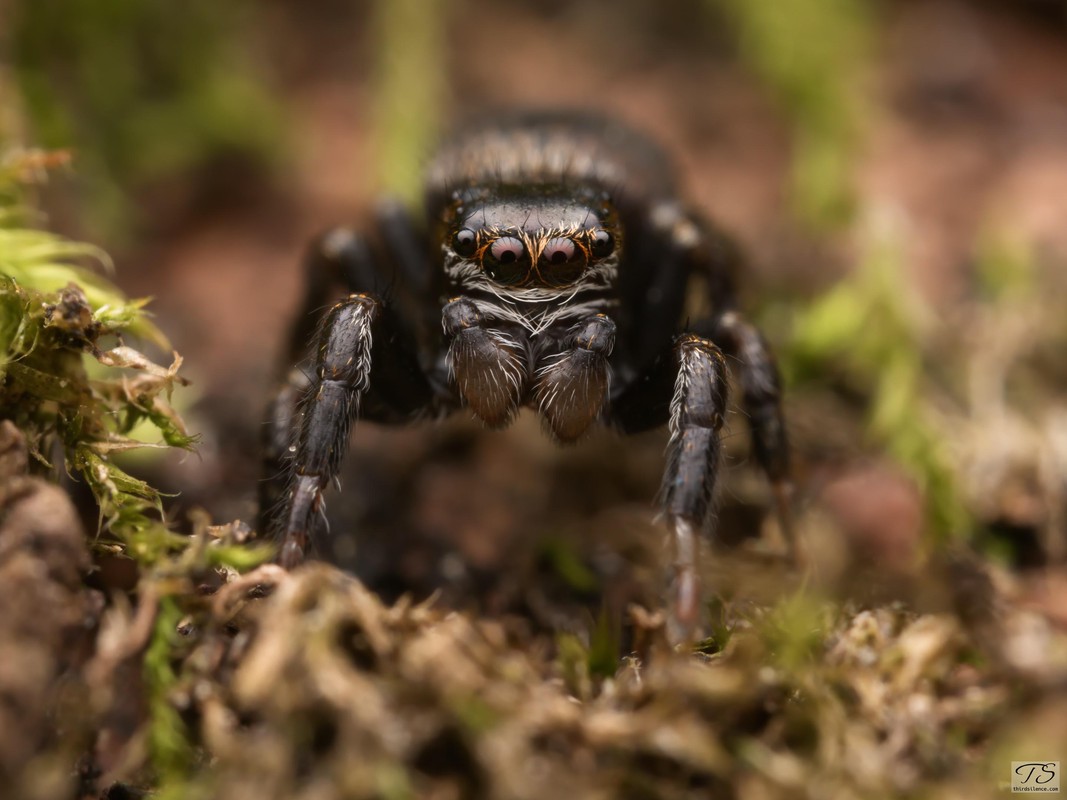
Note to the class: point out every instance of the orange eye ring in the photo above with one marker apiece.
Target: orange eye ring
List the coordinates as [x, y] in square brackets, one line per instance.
[562, 261]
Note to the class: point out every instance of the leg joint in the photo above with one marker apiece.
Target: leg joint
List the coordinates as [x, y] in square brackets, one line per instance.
[700, 389]
[345, 342]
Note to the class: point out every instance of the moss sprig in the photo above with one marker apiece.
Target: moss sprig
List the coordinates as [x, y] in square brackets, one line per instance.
[68, 377]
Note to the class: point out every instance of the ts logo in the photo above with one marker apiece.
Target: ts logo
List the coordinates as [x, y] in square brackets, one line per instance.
[1035, 776]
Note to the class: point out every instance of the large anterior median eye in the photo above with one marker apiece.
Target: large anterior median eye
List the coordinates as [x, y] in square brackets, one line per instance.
[562, 261]
[506, 260]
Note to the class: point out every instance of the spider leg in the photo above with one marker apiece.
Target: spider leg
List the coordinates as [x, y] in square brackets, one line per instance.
[712, 255]
[341, 376]
[338, 256]
[689, 389]
[343, 256]
[571, 387]
[278, 439]
[761, 399]
[405, 242]
[488, 365]
[363, 367]
[309, 419]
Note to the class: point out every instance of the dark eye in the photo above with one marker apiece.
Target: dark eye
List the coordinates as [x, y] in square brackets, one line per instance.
[465, 242]
[562, 261]
[558, 251]
[506, 261]
[603, 244]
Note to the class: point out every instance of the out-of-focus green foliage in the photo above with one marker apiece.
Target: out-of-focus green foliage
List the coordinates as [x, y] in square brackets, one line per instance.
[1010, 445]
[47, 263]
[1005, 269]
[794, 631]
[567, 564]
[812, 53]
[409, 89]
[142, 89]
[871, 328]
[50, 327]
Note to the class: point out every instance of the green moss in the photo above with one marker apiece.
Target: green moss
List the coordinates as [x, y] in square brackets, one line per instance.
[794, 631]
[565, 561]
[409, 89]
[168, 737]
[58, 316]
[74, 385]
[870, 331]
[142, 89]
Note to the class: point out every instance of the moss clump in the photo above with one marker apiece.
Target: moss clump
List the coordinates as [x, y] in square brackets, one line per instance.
[70, 381]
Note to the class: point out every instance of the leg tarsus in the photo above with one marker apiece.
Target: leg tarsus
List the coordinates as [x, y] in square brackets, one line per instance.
[783, 505]
[305, 504]
[683, 619]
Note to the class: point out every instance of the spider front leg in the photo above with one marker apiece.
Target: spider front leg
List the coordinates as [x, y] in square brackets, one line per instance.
[689, 387]
[698, 407]
[709, 253]
[338, 257]
[342, 375]
[356, 333]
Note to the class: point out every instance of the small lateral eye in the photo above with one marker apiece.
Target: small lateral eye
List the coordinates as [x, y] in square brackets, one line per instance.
[603, 244]
[506, 261]
[465, 242]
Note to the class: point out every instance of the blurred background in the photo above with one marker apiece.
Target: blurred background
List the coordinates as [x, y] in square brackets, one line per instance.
[895, 171]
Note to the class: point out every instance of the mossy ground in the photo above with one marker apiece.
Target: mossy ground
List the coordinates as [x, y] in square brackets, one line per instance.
[502, 637]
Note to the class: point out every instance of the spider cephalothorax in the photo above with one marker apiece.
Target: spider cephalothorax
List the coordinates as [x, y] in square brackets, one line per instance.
[548, 268]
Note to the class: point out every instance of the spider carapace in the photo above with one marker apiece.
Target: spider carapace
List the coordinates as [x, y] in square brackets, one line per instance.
[548, 267]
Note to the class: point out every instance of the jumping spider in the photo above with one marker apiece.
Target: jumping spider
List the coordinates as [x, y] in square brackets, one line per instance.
[548, 268]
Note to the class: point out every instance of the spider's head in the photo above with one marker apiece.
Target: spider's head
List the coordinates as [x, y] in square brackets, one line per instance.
[548, 240]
